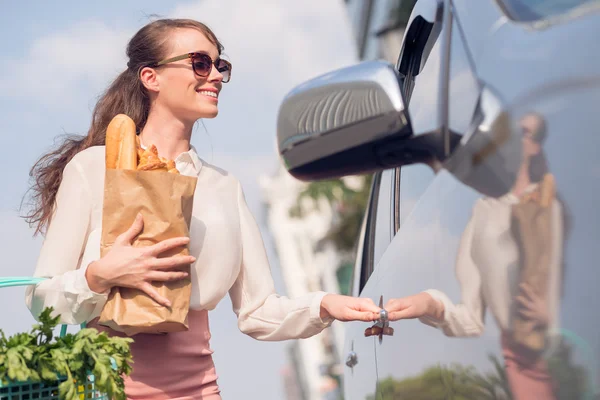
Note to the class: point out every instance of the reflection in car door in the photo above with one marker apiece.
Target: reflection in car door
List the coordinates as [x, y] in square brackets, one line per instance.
[520, 284]
[472, 253]
[515, 273]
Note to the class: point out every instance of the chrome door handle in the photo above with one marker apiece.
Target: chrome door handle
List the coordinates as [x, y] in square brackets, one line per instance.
[383, 317]
[381, 327]
[376, 330]
[351, 359]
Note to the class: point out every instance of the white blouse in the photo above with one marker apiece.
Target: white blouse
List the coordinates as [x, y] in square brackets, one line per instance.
[487, 269]
[224, 238]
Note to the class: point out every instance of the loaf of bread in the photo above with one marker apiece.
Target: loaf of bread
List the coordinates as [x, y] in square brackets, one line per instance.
[149, 160]
[123, 149]
[121, 144]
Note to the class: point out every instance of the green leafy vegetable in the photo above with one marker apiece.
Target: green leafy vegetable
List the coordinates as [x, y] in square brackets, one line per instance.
[36, 357]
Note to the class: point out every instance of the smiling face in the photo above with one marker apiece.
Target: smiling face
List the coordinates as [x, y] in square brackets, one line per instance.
[176, 88]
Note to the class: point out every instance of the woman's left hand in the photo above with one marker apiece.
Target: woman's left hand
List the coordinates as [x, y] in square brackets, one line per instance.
[347, 308]
[532, 306]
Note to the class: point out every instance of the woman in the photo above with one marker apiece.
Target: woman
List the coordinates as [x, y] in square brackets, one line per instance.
[488, 267]
[173, 78]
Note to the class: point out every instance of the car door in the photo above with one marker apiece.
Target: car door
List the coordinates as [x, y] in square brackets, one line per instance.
[472, 250]
[533, 338]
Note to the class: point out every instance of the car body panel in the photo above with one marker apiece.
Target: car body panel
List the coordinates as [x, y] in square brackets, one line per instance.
[532, 68]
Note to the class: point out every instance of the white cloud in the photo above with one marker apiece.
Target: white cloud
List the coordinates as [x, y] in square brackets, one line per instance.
[273, 45]
[277, 44]
[64, 67]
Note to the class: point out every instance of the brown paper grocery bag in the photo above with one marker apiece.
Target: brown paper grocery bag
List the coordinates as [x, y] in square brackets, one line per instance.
[532, 230]
[165, 201]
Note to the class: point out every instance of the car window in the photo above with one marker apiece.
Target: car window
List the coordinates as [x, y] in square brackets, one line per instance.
[463, 85]
[464, 90]
[533, 10]
[414, 180]
[383, 217]
[365, 251]
[379, 223]
[419, 68]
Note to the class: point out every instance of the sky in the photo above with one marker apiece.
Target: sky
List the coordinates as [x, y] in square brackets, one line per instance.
[56, 60]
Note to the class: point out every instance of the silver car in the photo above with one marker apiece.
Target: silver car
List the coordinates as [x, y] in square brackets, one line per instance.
[482, 229]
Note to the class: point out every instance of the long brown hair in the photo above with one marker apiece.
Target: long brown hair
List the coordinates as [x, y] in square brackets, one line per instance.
[125, 95]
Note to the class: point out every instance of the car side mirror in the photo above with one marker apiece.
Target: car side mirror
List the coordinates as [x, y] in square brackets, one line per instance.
[350, 121]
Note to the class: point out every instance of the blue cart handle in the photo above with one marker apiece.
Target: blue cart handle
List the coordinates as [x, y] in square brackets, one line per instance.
[29, 281]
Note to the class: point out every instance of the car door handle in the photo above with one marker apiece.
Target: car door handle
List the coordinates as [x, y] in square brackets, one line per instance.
[383, 317]
[381, 327]
[376, 330]
[351, 359]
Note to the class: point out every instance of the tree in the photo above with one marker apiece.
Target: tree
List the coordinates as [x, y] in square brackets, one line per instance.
[570, 380]
[458, 382]
[453, 382]
[349, 205]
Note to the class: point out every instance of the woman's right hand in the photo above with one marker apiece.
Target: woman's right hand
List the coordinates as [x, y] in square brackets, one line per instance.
[136, 267]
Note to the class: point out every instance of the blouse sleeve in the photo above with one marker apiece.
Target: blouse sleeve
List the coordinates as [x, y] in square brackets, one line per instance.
[66, 290]
[466, 318]
[262, 313]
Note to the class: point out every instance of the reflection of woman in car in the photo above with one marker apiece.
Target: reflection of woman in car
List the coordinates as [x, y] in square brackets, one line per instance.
[489, 269]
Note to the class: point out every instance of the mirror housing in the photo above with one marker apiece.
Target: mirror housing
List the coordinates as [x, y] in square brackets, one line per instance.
[350, 121]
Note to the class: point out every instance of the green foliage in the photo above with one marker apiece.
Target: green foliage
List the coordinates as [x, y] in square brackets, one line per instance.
[350, 205]
[458, 382]
[344, 277]
[455, 382]
[570, 380]
[35, 357]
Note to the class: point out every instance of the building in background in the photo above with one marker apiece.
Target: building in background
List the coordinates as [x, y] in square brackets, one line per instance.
[307, 261]
[305, 267]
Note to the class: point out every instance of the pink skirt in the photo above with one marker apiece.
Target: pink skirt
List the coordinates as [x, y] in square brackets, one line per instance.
[528, 377]
[176, 366]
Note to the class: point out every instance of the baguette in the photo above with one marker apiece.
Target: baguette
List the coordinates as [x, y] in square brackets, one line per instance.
[121, 149]
[548, 190]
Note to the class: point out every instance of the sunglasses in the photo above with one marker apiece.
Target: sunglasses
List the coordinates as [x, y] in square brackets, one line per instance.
[528, 133]
[202, 64]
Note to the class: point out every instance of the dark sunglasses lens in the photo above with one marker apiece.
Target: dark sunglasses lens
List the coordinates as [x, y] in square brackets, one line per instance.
[225, 69]
[202, 64]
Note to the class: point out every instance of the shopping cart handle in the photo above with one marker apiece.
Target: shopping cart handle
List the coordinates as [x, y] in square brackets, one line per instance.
[19, 281]
[29, 281]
